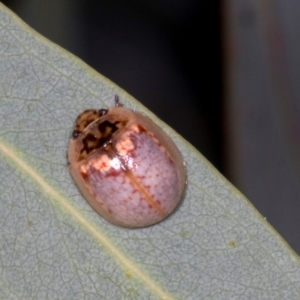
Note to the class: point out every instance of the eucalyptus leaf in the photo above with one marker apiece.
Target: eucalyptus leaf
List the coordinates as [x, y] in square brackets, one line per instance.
[54, 246]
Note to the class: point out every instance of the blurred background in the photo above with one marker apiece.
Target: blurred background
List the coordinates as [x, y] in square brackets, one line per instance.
[223, 74]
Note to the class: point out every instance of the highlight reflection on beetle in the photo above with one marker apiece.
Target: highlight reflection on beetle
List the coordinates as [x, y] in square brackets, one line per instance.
[125, 166]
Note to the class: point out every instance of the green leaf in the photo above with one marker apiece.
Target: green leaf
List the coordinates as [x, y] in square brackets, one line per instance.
[54, 246]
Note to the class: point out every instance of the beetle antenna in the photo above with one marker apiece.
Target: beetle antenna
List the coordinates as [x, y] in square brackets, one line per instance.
[117, 101]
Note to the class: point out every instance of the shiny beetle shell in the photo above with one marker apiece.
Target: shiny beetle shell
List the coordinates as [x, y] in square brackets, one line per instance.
[126, 167]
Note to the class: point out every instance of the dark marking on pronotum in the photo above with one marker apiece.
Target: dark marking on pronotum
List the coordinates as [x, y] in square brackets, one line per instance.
[86, 118]
[91, 142]
[108, 128]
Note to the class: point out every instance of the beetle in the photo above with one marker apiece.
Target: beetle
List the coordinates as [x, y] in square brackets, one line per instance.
[127, 168]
